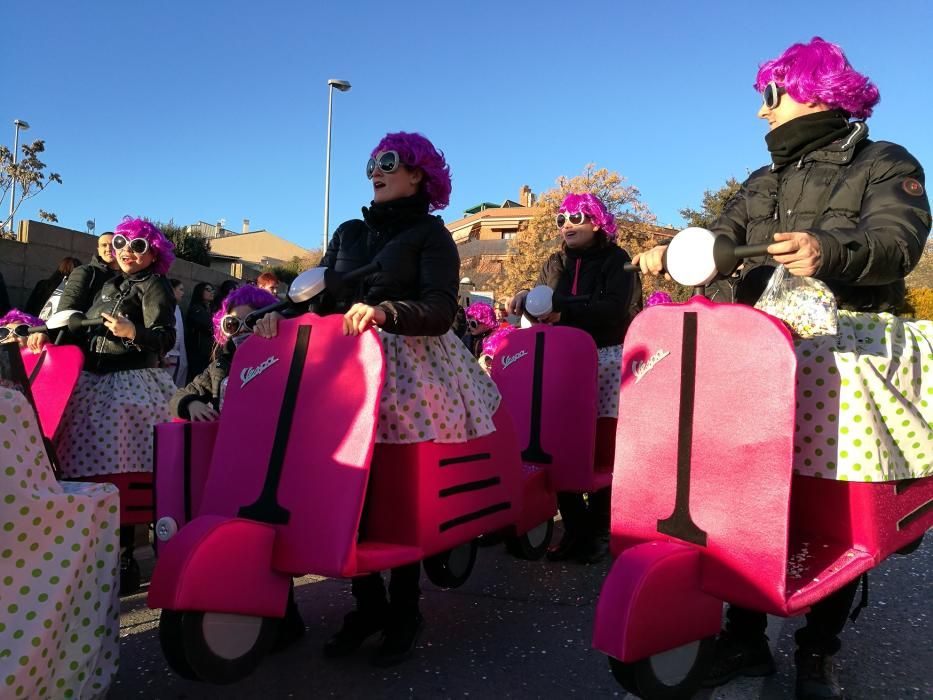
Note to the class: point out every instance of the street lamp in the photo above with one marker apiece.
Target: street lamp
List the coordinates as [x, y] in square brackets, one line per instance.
[343, 86]
[466, 282]
[17, 125]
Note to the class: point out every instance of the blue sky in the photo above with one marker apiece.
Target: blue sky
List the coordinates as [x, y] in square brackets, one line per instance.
[210, 109]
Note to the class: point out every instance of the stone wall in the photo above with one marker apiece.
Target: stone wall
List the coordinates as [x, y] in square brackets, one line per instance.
[42, 246]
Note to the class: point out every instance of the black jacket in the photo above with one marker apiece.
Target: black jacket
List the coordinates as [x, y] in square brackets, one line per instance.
[863, 200]
[206, 386]
[417, 283]
[607, 297]
[84, 283]
[147, 300]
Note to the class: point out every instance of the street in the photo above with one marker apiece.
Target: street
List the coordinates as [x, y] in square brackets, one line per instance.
[521, 629]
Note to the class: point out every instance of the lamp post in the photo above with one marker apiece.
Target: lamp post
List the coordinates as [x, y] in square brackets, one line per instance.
[343, 86]
[17, 125]
[466, 282]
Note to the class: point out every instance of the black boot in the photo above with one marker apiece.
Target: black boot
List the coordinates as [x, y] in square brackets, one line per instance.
[292, 627]
[567, 548]
[401, 635]
[130, 576]
[593, 550]
[816, 677]
[358, 626]
[735, 657]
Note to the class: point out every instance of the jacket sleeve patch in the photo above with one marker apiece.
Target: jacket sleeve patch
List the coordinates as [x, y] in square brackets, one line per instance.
[912, 187]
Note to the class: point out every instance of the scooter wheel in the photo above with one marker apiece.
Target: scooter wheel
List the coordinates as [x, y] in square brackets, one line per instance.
[218, 648]
[452, 568]
[534, 543]
[670, 675]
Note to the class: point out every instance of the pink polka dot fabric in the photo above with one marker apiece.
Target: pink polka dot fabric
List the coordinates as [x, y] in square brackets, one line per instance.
[609, 379]
[865, 400]
[433, 390]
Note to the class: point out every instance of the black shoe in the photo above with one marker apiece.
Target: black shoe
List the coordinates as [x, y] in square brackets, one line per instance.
[734, 657]
[816, 678]
[593, 551]
[568, 548]
[130, 576]
[357, 628]
[291, 629]
[400, 638]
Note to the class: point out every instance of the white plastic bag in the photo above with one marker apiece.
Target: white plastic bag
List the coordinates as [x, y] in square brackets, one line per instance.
[805, 304]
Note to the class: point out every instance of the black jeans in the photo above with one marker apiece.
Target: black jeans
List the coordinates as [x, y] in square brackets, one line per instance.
[585, 520]
[819, 636]
[404, 591]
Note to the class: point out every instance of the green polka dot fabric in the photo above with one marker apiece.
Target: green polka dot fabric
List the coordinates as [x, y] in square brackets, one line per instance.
[434, 390]
[59, 555]
[865, 400]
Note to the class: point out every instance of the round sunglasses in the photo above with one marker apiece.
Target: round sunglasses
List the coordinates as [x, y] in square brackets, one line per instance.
[231, 325]
[136, 245]
[575, 219]
[771, 95]
[19, 331]
[388, 162]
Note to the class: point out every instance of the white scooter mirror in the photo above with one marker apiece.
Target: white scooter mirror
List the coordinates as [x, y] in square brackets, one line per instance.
[689, 258]
[307, 285]
[540, 301]
[59, 319]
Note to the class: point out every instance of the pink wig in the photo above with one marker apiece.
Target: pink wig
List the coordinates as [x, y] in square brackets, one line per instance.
[482, 313]
[16, 316]
[656, 298]
[415, 151]
[247, 295]
[159, 245]
[493, 341]
[593, 208]
[820, 72]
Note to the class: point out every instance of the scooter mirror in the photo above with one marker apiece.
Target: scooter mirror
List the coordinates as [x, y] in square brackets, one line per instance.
[689, 258]
[60, 319]
[307, 285]
[540, 301]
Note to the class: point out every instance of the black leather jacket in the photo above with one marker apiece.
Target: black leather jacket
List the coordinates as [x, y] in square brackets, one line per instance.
[147, 300]
[417, 283]
[863, 200]
[84, 283]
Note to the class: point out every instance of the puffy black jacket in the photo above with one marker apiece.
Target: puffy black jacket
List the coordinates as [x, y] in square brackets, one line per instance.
[863, 200]
[84, 283]
[147, 300]
[417, 283]
[607, 297]
[206, 386]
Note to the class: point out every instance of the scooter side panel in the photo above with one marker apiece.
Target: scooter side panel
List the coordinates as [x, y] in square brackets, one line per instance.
[181, 461]
[547, 378]
[704, 453]
[296, 437]
[53, 374]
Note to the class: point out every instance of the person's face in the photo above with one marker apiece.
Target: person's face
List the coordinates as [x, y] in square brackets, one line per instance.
[268, 286]
[578, 236]
[179, 293]
[15, 333]
[401, 182]
[207, 295]
[786, 109]
[232, 322]
[130, 261]
[103, 248]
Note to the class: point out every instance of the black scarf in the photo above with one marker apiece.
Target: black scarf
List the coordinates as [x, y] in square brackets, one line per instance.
[389, 218]
[793, 140]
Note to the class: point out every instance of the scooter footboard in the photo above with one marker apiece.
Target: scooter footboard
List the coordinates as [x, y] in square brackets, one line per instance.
[220, 564]
[652, 602]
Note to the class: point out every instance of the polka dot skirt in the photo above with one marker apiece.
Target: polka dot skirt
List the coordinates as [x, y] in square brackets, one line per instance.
[59, 553]
[433, 390]
[107, 426]
[865, 400]
[608, 381]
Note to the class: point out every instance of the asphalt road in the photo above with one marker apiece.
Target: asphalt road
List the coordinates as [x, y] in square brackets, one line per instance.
[522, 630]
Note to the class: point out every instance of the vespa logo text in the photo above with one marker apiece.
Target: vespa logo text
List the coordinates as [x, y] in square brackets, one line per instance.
[250, 373]
[640, 369]
[512, 359]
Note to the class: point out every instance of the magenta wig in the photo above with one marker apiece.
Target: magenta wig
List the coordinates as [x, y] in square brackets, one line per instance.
[415, 151]
[493, 341]
[247, 295]
[16, 316]
[820, 72]
[591, 206]
[482, 313]
[656, 298]
[159, 245]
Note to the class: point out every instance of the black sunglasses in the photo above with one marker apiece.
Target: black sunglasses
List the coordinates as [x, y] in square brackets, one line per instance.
[771, 95]
[388, 163]
[575, 219]
[232, 325]
[136, 245]
[20, 331]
